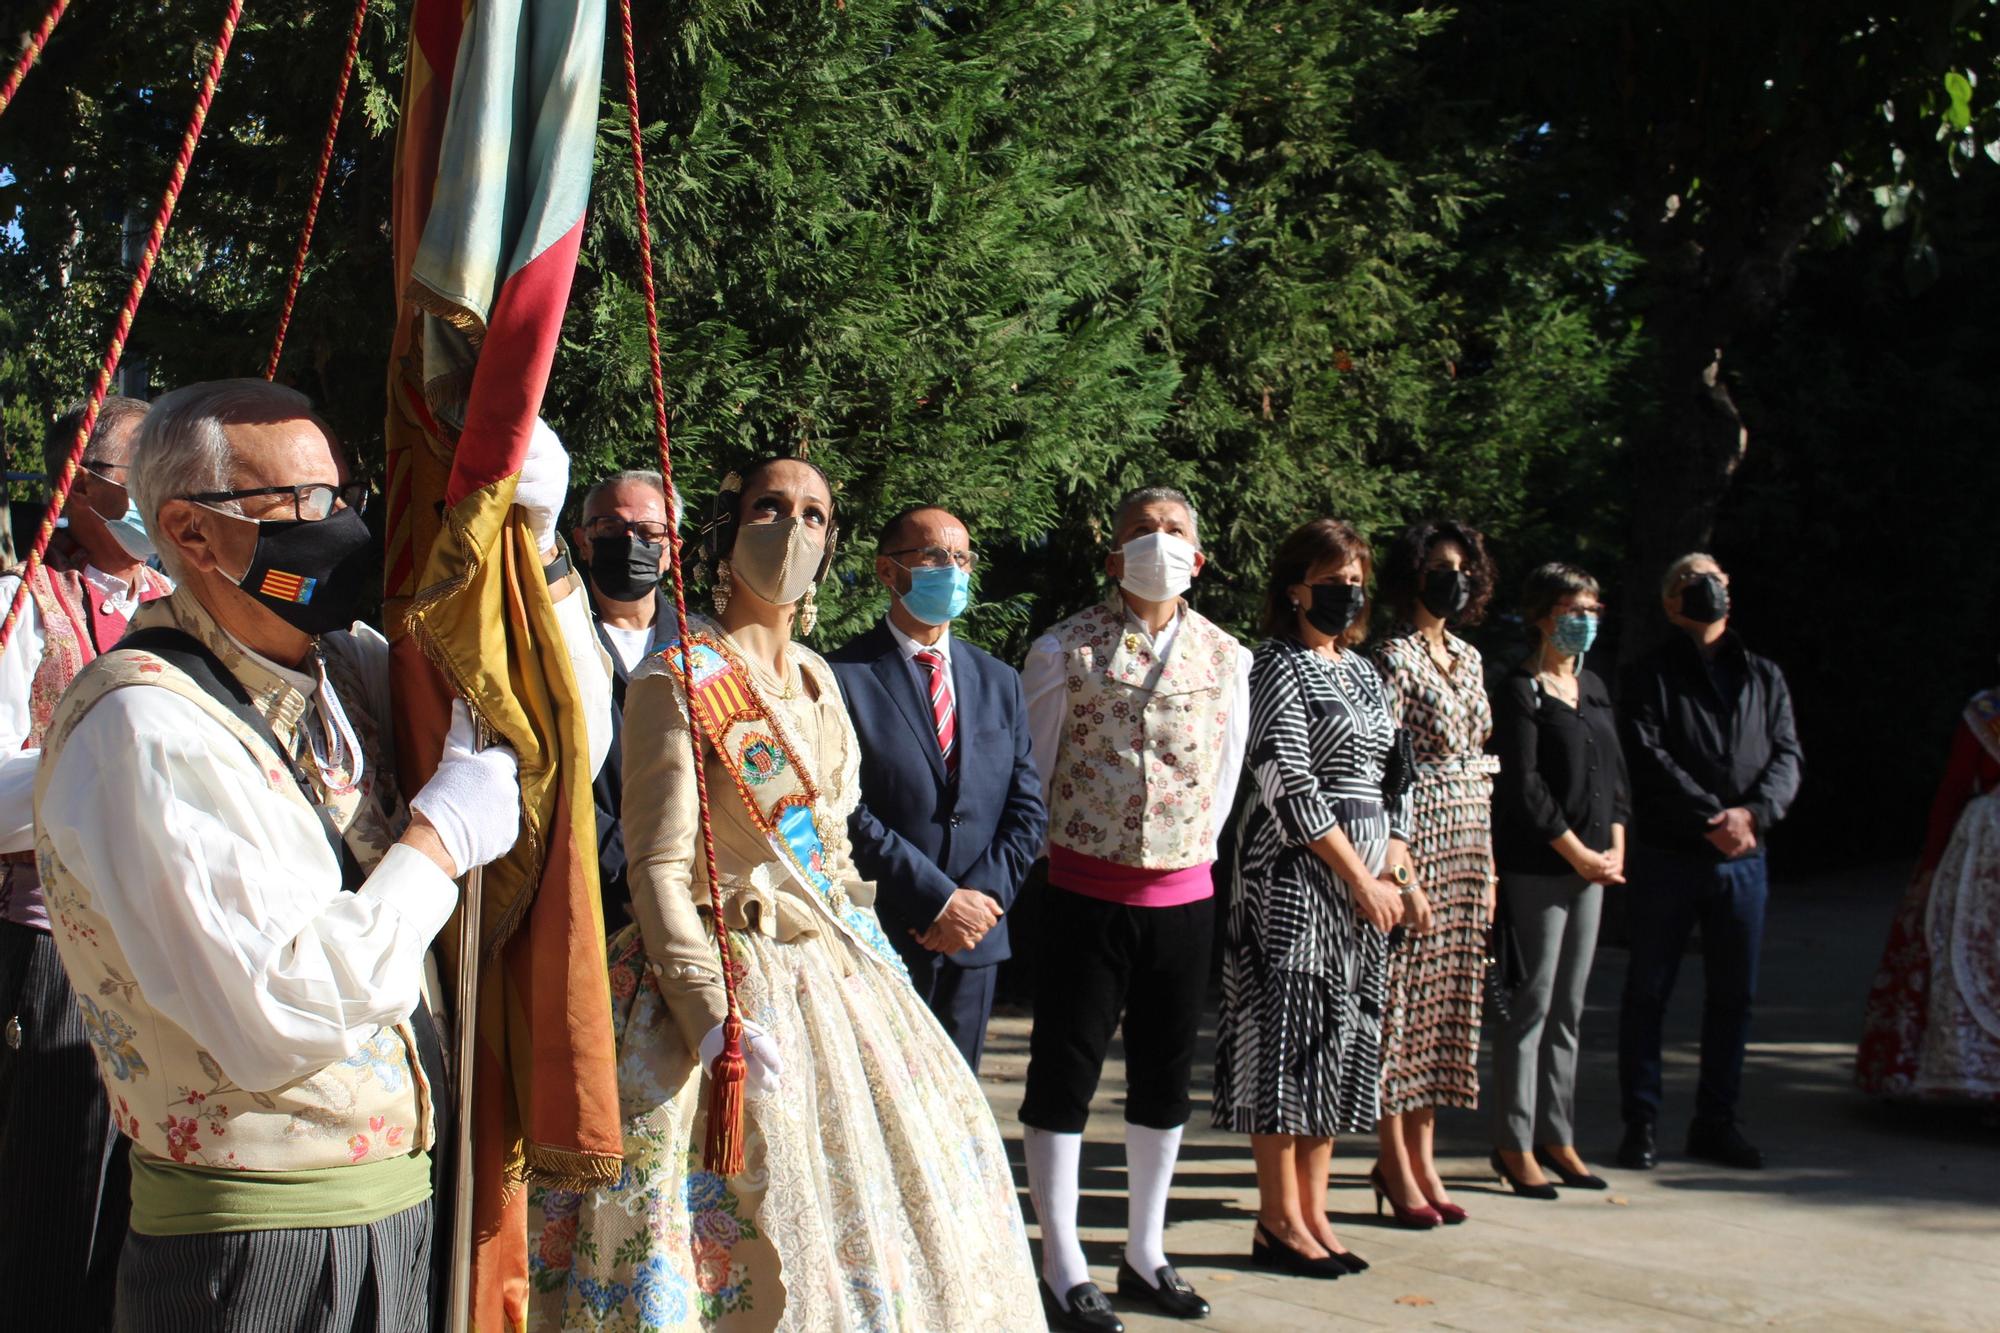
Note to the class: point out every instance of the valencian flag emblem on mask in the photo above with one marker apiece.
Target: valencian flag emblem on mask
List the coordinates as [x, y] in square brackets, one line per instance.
[287, 587]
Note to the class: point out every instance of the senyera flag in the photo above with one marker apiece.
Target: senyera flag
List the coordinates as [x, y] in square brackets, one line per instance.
[493, 165]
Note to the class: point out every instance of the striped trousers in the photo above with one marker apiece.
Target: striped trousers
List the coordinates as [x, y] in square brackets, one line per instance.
[362, 1279]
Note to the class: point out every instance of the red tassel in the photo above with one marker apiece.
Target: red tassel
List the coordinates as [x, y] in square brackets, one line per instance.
[722, 1152]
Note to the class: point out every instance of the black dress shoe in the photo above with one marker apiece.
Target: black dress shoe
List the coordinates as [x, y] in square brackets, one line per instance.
[1173, 1296]
[1574, 1180]
[1721, 1142]
[1089, 1310]
[1351, 1261]
[1267, 1251]
[1638, 1152]
[1519, 1186]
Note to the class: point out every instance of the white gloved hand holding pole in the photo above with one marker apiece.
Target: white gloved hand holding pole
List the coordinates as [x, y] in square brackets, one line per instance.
[543, 484]
[474, 798]
[760, 1056]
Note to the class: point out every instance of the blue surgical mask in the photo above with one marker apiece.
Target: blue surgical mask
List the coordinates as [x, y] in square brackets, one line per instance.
[129, 531]
[1574, 635]
[938, 595]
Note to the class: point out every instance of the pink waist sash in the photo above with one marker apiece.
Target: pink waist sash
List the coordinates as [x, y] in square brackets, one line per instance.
[1131, 886]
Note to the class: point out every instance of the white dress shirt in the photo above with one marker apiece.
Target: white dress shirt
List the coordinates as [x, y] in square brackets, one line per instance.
[919, 673]
[225, 895]
[1044, 685]
[17, 676]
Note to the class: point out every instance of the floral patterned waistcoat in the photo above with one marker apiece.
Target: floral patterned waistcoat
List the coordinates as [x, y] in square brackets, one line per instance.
[1134, 781]
[168, 1095]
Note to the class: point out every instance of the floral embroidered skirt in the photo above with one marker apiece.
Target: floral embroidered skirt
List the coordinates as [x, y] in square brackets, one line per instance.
[876, 1192]
[1430, 1030]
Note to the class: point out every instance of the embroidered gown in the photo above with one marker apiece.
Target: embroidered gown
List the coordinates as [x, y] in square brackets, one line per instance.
[1430, 1037]
[876, 1192]
[1933, 1019]
[1298, 1045]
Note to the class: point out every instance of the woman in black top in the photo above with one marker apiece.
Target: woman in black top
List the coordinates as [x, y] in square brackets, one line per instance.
[1560, 808]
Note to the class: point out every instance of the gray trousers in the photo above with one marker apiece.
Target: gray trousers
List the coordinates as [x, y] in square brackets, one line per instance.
[361, 1279]
[1534, 1056]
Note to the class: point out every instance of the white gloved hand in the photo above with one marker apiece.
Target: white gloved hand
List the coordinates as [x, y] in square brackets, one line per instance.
[543, 484]
[474, 798]
[760, 1055]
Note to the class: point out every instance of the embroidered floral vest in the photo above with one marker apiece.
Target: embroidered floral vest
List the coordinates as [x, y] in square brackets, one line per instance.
[168, 1095]
[1134, 781]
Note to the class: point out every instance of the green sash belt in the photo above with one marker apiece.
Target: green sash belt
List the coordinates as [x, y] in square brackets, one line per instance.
[173, 1200]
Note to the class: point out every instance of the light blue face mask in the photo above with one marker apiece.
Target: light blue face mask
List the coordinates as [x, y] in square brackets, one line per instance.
[1574, 635]
[129, 531]
[938, 594]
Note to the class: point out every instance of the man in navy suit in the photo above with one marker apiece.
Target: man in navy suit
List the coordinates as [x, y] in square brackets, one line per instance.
[951, 810]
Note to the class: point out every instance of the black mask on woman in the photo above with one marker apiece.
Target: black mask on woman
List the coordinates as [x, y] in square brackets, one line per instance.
[1334, 607]
[1446, 592]
[1705, 601]
[625, 569]
[312, 575]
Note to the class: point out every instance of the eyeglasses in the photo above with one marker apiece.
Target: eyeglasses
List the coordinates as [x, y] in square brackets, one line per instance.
[311, 502]
[119, 494]
[936, 557]
[610, 527]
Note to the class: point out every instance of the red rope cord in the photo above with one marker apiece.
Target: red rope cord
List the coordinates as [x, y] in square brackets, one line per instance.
[318, 188]
[722, 944]
[32, 52]
[140, 277]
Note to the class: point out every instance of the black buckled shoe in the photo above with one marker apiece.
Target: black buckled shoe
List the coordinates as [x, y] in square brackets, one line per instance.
[1089, 1310]
[1638, 1152]
[1721, 1142]
[1173, 1297]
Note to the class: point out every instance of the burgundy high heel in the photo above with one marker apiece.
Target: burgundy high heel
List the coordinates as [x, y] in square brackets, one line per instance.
[1450, 1213]
[1421, 1218]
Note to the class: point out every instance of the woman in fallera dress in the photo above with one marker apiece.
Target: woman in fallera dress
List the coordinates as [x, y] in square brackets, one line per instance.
[876, 1192]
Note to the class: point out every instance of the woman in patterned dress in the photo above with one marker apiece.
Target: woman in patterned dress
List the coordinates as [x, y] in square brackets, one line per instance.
[1437, 574]
[876, 1192]
[1297, 1050]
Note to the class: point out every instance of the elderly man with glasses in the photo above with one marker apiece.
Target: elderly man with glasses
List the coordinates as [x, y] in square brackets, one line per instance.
[951, 808]
[241, 895]
[57, 1145]
[622, 539]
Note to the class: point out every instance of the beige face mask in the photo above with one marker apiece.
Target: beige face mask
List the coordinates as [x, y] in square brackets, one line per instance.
[777, 561]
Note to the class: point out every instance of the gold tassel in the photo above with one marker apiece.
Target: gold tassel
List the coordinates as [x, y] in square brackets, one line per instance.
[722, 1150]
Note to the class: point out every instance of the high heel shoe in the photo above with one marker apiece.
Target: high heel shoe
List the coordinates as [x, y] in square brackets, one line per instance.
[1421, 1218]
[1575, 1180]
[1450, 1212]
[1519, 1186]
[1267, 1251]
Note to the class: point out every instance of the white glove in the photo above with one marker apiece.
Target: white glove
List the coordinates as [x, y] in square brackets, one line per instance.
[474, 798]
[760, 1055]
[543, 484]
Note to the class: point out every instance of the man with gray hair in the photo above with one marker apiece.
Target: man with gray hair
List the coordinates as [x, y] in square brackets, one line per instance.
[57, 1144]
[250, 950]
[1139, 709]
[622, 537]
[1715, 764]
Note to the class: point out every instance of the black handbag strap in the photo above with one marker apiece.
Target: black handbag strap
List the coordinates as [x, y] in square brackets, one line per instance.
[194, 660]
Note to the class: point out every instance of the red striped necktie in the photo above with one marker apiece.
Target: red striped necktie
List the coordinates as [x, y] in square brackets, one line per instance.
[944, 711]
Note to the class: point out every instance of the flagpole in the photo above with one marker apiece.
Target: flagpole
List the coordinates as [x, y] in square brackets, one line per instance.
[464, 1018]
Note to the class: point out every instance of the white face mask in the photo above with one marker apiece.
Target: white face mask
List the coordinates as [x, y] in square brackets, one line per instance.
[1158, 567]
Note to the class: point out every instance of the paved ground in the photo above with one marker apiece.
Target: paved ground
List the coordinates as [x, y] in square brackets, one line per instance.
[1869, 1217]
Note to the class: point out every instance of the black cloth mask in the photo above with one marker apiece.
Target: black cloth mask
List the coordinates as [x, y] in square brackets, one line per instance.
[1446, 592]
[1705, 601]
[1334, 607]
[625, 569]
[312, 575]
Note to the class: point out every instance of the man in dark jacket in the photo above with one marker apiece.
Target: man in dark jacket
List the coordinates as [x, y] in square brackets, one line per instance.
[621, 540]
[951, 810]
[1715, 764]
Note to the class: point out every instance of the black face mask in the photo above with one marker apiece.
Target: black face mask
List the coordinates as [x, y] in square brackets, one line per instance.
[1446, 592]
[625, 569]
[312, 576]
[1705, 601]
[1334, 607]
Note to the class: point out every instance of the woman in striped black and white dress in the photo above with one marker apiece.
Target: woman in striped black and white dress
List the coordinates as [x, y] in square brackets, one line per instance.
[1298, 1056]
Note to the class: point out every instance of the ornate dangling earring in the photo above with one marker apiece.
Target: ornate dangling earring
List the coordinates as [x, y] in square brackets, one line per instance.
[725, 583]
[808, 610]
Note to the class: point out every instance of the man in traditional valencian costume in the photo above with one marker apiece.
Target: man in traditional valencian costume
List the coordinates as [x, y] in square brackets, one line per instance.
[57, 1145]
[241, 896]
[1139, 709]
